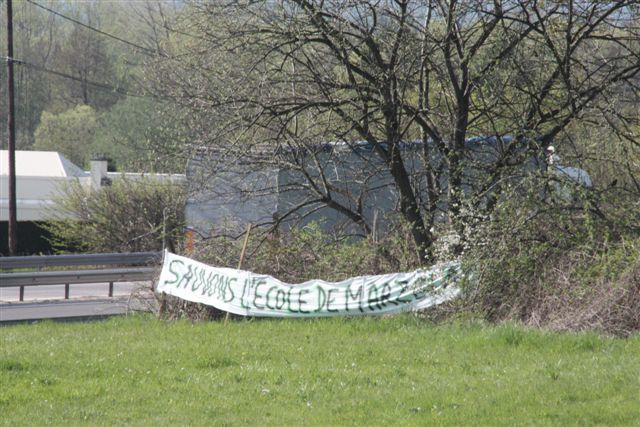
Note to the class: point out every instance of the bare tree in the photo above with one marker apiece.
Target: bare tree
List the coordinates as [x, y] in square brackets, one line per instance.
[289, 76]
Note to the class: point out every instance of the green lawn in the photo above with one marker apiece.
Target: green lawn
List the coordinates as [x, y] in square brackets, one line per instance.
[364, 371]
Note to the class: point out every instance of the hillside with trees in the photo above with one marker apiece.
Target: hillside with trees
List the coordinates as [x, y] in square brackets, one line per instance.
[78, 74]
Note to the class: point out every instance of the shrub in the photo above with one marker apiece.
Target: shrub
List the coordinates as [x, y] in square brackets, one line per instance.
[128, 216]
[309, 253]
[567, 264]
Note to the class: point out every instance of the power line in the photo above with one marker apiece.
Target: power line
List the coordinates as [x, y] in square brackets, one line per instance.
[98, 85]
[144, 50]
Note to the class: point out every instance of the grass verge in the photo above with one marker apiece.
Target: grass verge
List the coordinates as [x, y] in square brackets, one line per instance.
[373, 371]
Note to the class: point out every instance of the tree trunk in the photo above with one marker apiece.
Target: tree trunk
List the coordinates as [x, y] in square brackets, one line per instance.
[409, 207]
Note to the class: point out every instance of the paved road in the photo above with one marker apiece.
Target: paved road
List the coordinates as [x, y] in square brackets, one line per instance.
[87, 301]
[78, 309]
[62, 310]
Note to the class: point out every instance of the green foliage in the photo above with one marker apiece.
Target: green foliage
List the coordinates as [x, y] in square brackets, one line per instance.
[63, 64]
[564, 256]
[310, 253]
[97, 68]
[70, 132]
[365, 371]
[565, 263]
[140, 135]
[128, 216]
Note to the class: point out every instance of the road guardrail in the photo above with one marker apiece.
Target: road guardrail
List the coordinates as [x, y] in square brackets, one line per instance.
[141, 272]
[113, 259]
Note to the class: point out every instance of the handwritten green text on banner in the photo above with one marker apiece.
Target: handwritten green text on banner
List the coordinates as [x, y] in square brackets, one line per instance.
[249, 294]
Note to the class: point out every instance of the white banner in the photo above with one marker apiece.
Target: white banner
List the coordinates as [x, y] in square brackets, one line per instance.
[249, 294]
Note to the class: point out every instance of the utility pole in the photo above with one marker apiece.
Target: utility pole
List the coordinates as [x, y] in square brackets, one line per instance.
[11, 143]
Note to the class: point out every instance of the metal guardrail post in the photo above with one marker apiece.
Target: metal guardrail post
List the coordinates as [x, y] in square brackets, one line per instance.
[66, 291]
[21, 293]
[110, 289]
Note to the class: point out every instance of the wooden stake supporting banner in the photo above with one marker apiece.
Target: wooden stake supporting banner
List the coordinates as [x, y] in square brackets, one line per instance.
[244, 246]
[242, 253]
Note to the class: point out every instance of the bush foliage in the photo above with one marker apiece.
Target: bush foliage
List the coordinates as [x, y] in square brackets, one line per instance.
[309, 253]
[128, 216]
[566, 263]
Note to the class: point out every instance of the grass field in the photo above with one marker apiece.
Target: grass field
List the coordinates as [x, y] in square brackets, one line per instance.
[389, 371]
